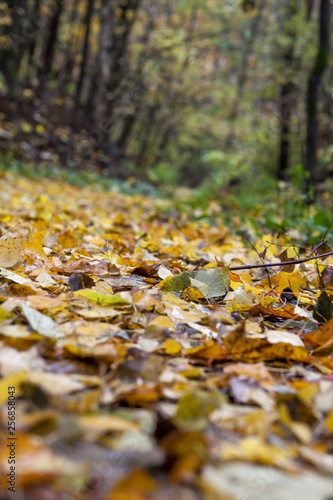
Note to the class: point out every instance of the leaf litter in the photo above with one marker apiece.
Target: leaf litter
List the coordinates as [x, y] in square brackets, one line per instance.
[131, 344]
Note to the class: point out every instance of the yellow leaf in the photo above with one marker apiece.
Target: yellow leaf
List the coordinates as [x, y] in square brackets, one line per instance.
[192, 373]
[208, 350]
[163, 322]
[4, 314]
[103, 300]
[172, 347]
[329, 422]
[254, 449]
[136, 486]
[294, 281]
[12, 383]
[40, 129]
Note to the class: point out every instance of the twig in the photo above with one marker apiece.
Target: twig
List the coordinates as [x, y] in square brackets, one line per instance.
[276, 264]
[317, 246]
[329, 227]
[262, 260]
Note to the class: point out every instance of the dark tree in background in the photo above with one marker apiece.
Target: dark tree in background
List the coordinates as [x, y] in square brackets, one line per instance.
[117, 20]
[48, 47]
[287, 88]
[83, 66]
[312, 95]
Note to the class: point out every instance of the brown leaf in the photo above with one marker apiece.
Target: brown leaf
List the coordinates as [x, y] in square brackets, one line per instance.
[10, 251]
[78, 281]
[285, 312]
[319, 337]
[284, 258]
[252, 349]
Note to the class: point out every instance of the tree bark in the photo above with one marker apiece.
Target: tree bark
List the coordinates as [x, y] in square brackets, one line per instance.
[312, 97]
[285, 129]
[87, 23]
[47, 54]
[287, 89]
[66, 70]
[243, 71]
[137, 98]
[115, 32]
[103, 75]
[33, 27]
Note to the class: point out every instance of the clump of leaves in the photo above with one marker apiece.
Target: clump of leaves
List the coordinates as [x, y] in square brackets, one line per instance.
[129, 325]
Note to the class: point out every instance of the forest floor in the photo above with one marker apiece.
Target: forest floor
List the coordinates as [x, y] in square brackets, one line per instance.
[135, 363]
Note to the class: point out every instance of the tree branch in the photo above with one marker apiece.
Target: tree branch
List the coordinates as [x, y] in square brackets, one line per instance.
[276, 264]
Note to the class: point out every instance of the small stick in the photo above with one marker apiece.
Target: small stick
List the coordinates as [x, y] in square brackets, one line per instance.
[262, 260]
[276, 264]
[317, 246]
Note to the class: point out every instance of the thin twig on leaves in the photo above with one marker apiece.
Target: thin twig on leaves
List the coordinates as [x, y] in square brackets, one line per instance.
[317, 246]
[262, 260]
[276, 264]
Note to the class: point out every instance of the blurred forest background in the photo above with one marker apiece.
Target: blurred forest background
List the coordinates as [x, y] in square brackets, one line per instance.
[207, 94]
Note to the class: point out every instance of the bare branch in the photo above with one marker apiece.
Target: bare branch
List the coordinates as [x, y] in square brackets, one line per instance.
[276, 264]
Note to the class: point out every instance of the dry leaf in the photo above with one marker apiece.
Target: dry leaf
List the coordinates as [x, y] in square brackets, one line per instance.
[10, 251]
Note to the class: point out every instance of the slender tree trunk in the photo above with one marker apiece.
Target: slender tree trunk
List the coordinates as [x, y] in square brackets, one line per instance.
[144, 138]
[137, 98]
[34, 29]
[87, 23]
[125, 21]
[92, 90]
[160, 128]
[243, 71]
[65, 73]
[103, 75]
[312, 97]
[127, 129]
[309, 9]
[285, 129]
[115, 32]
[287, 89]
[48, 48]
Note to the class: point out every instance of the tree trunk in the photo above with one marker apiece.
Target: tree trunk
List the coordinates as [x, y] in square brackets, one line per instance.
[103, 75]
[115, 32]
[33, 27]
[125, 21]
[47, 54]
[312, 97]
[287, 89]
[285, 129]
[87, 23]
[243, 71]
[65, 73]
[137, 97]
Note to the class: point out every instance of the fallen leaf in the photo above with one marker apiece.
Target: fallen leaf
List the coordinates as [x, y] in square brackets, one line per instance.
[41, 323]
[10, 251]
